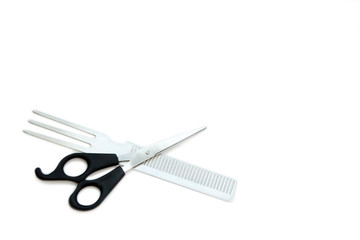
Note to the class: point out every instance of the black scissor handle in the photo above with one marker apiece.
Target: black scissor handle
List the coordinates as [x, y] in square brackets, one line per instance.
[95, 162]
[105, 184]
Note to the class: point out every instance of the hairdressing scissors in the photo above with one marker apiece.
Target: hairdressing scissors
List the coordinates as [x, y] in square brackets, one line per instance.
[97, 161]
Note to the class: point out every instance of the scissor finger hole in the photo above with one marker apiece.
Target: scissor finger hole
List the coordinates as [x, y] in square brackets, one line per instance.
[88, 195]
[75, 167]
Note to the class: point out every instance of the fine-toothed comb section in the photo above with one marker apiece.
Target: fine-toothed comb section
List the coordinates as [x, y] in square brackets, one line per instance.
[190, 176]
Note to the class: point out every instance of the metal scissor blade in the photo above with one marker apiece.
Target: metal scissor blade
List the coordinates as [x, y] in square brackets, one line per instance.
[154, 149]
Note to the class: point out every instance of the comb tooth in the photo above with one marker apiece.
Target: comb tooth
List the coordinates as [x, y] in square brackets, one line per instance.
[152, 162]
[213, 182]
[191, 173]
[58, 141]
[195, 174]
[224, 184]
[169, 166]
[229, 188]
[216, 182]
[202, 178]
[147, 163]
[161, 162]
[226, 189]
[205, 178]
[200, 174]
[166, 163]
[209, 179]
[232, 185]
[174, 167]
[156, 163]
[220, 182]
[67, 123]
[62, 131]
[185, 171]
[178, 169]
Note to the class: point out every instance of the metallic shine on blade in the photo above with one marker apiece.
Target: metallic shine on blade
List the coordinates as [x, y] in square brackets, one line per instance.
[154, 149]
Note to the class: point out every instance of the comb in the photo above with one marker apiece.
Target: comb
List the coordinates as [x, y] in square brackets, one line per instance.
[162, 166]
[188, 175]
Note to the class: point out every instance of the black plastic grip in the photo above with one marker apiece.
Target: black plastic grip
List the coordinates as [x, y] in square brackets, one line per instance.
[95, 162]
[105, 184]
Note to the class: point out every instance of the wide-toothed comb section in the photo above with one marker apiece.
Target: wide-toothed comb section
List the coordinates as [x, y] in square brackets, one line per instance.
[190, 176]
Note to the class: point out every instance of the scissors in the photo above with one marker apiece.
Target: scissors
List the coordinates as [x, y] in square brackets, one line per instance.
[97, 161]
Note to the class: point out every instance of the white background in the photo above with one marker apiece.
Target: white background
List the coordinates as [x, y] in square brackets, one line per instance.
[276, 82]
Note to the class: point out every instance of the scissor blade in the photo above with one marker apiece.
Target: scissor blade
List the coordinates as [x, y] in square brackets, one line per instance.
[154, 149]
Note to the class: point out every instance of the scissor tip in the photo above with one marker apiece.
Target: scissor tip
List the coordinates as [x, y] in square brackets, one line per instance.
[199, 129]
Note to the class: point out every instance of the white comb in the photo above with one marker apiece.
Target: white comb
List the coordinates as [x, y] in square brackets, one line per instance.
[190, 176]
